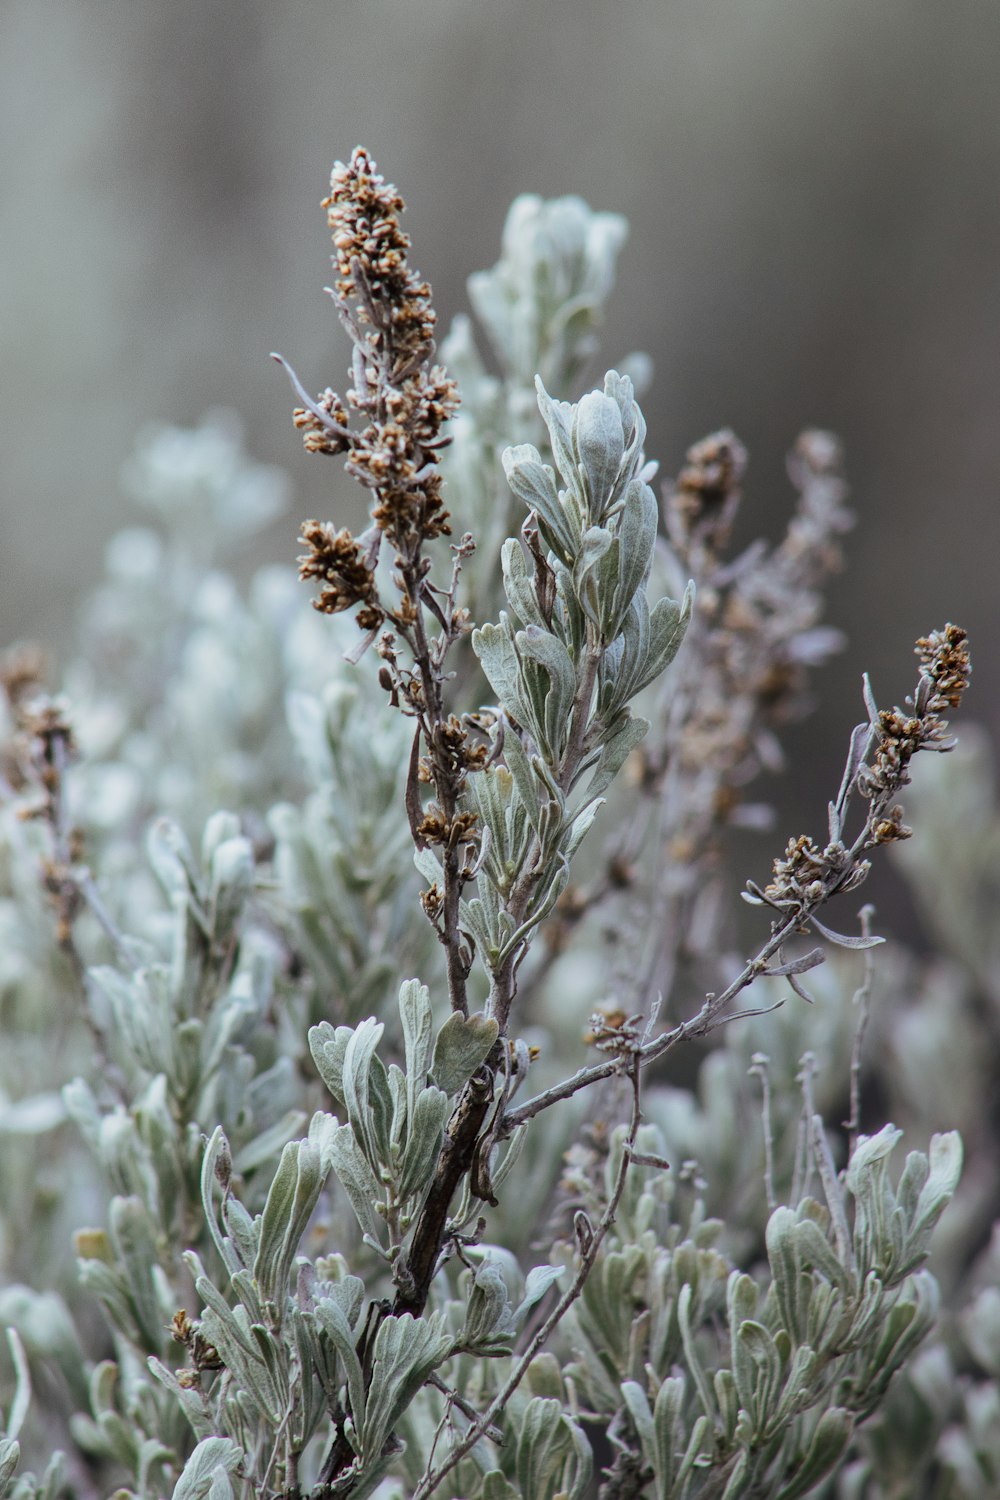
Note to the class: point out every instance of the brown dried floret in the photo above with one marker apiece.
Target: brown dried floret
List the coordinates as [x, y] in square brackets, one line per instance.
[339, 562]
[707, 491]
[944, 658]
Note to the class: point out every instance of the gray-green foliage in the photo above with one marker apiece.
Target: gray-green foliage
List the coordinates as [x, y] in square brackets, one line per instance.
[754, 1318]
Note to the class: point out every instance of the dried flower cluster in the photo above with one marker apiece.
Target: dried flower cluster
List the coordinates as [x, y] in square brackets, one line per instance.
[402, 398]
[807, 875]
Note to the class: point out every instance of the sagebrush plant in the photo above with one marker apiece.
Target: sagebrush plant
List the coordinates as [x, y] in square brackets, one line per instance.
[345, 954]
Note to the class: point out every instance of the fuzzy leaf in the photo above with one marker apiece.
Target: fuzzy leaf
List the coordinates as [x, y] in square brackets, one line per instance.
[328, 1046]
[462, 1045]
[407, 1350]
[600, 444]
[425, 1132]
[534, 483]
[832, 1434]
[291, 1199]
[358, 1180]
[212, 1453]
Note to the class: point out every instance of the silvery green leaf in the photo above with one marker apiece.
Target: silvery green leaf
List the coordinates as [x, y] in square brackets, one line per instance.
[138, 1011]
[870, 1151]
[558, 418]
[230, 1023]
[496, 1487]
[81, 1104]
[219, 829]
[366, 1092]
[799, 1376]
[244, 1229]
[642, 1420]
[628, 733]
[480, 919]
[623, 662]
[637, 538]
[425, 1132]
[700, 1437]
[216, 1167]
[274, 1359]
[94, 1265]
[494, 645]
[621, 385]
[358, 1180]
[22, 1385]
[830, 1437]
[557, 703]
[580, 827]
[407, 1350]
[134, 1240]
[981, 1328]
[51, 1486]
[814, 1250]
[35, 1115]
[491, 791]
[534, 483]
[782, 1252]
[402, 1111]
[599, 443]
[519, 585]
[292, 1196]
[842, 939]
[173, 864]
[694, 1360]
[244, 1284]
[186, 1076]
[10, 1455]
[198, 1473]
[328, 1046]
[332, 1318]
[417, 1020]
[727, 1400]
[231, 884]
[487, 1316]
[536, 1284]
[594, 544]
[189, 1401]
[945, 1171]
[552, 1453]
[428, 864]
[579, 1468]
[514, 1147]
[736, 1483]
[668, 622]
[229, 1331]
[524, 778]
[462, 1045]
[158, 1131]
[741, 1299]
[544, 900]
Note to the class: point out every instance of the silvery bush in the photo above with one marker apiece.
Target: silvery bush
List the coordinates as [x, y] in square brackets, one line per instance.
[377, 1028]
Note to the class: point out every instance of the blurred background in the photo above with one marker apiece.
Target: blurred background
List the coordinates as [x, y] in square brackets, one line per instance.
[813, 194]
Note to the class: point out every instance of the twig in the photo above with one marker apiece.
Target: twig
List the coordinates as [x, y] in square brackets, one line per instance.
[862, 1000]
[759, 1070]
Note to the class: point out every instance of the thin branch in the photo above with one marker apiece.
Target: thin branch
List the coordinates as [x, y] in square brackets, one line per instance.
[862, 1001]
